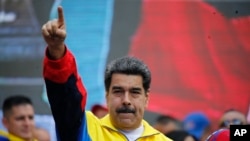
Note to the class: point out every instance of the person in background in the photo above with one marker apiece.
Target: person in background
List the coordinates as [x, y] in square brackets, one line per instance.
[180, 135]
[127, 83]
[166, 123]
[232, 117]
[41, 134]
[219, 135]
[248, 115]
[198, 125]
[18, 119]
[99, 110]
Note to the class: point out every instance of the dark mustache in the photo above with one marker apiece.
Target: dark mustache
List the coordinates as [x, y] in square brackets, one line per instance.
[125, 110]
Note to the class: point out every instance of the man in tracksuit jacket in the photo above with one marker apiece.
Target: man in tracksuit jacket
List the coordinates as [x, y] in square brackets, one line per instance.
[127, 82]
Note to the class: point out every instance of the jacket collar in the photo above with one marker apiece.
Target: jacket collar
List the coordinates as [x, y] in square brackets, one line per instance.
[148, 130]
[11, 137]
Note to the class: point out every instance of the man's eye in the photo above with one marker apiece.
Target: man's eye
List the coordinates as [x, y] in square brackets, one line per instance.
[31, 117]
[135, 92]
[117, 91]
[20, 118]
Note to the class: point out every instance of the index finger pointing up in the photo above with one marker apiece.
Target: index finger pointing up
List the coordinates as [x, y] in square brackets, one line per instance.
[60, 16]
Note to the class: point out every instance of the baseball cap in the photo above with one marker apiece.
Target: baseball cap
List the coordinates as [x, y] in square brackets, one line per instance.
[195, 123]
[219, 135]
[98, 106]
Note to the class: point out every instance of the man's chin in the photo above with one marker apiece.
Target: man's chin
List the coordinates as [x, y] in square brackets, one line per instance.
[126, 118]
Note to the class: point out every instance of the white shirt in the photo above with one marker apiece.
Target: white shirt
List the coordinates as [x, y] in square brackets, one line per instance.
[132, 135]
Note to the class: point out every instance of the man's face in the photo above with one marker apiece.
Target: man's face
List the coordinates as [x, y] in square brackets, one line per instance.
[20, 121]
[166, 128]
[233, 118]
[126, 100]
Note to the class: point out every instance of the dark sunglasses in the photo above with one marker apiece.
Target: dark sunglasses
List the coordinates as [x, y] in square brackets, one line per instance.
[227, 123]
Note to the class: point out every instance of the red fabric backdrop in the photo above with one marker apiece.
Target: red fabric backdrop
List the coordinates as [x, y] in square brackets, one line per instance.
[200, 60]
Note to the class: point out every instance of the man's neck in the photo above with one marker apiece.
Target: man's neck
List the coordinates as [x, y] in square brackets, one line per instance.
[133, 134]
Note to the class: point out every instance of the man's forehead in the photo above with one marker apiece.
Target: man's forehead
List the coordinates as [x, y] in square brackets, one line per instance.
[126, 79]
[23, 108]
[233, 114]
[126, 88]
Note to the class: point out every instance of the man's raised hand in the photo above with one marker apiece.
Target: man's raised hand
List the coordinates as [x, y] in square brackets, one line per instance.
[54, 34]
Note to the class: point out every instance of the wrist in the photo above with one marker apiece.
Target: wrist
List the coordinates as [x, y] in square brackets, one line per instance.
[56, 52]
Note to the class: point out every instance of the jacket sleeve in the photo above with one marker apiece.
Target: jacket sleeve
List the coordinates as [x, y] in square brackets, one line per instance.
[67, 95]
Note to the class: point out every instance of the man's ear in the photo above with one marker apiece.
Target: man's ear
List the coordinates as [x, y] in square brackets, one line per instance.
[106, 97]
[5, 122]
[147, 99]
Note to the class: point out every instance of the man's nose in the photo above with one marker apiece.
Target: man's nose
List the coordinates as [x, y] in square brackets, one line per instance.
[126, 99]
[28, 121]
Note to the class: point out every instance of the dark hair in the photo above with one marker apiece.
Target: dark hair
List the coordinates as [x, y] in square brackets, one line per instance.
[14, 101]
[164, 119]
[179, 135]
[231, 110]
[128, 65]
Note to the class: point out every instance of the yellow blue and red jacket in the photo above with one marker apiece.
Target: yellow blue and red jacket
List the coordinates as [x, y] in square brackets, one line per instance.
[67, 96]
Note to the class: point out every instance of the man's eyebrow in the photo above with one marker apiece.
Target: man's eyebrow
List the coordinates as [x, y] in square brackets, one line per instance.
[136, 88]
[116, 87]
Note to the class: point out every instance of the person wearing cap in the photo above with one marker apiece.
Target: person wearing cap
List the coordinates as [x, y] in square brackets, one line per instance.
[99, 110]
[198, 125]
[219, 135]
[232, 117]
[127, 82]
